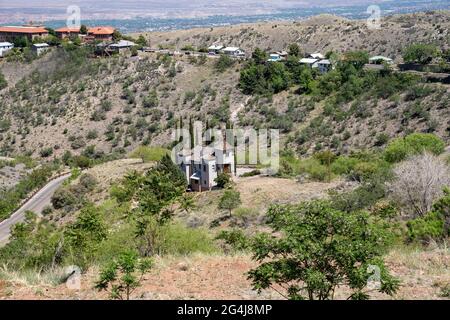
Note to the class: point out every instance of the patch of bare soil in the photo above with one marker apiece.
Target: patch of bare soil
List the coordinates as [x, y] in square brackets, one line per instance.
[422, 273]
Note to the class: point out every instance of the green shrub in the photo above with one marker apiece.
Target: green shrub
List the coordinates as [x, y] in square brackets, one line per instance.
[435, 225]
[223, 63]
[401, 148]
[343, 165]
[426, 228]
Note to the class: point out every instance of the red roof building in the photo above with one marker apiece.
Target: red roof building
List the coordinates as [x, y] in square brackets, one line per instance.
[10, 33]
[65, 32]
[101, 33]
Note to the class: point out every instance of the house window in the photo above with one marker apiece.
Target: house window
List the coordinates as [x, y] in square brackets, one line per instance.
[195, 182]
[213, 167]
[204, 168]
[204, 181]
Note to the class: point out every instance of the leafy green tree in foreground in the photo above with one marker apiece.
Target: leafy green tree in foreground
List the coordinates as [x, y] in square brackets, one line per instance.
[122, 276]
[318, 249]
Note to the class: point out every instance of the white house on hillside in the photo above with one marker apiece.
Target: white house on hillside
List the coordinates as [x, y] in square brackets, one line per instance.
[202, 165]
[215, 49]
[317, 61]
[233, 51]
[5, 47]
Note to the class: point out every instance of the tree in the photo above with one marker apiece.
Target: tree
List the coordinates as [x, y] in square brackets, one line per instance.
[259, 56]
[123, 276]
[223, 180]
[142, 41]
[294, 50]
[187, 202]
[83, 29]
[21, 42]
[116, 35]
[357, 58]
[418, 182]
[420, 53]
[230, 200]
[317, 249]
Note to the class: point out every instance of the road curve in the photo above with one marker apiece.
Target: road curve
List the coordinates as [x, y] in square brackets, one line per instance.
[36, 204]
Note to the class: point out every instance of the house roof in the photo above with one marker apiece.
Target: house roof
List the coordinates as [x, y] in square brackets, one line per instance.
[5, 44]
[67, 30]
[215, 47]
[101, 30]
[40, 45]
[308, 60]
[376, 58]
[324, 61]
[24, 30]
[123, 44]
[231, 49]
[317, 55]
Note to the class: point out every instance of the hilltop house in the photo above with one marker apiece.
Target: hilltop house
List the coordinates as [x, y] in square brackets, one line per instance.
[215, 49]
[40, 48]
[317, 61]
[5, 47]
[202, 165]
[11, 33]
[233, 51]
[65, 32]
[100, 34]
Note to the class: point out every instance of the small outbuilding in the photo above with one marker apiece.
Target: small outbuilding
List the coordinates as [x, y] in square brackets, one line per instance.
[40, 48]
[5, 47]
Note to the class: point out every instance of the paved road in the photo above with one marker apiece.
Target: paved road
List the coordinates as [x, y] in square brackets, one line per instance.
[36, 204]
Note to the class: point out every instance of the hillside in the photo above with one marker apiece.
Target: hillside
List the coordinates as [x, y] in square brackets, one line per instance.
[67, 101]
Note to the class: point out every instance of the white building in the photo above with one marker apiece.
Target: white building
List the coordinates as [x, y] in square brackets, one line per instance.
[308, 61]
[323, 65]
[274, 57]
[317, 61]
[5, 47]
[233, 51]
[215, 49]
[122, 45]
[202, 165]
[40, 48]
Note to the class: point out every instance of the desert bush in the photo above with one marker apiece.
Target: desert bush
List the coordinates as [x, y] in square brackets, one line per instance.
[418, 182]
[434, 225]
[399, 149]
[223, 180]
[88, 181]
[223, 63]
[63, 198]
[251, 173]
[3, 82]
